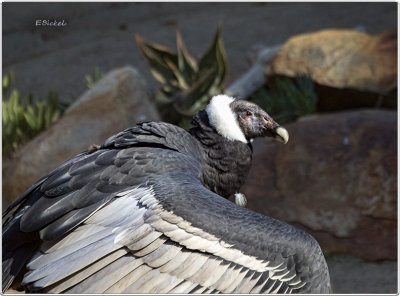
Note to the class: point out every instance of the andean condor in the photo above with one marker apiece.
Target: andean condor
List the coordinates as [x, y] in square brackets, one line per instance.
[147, 212]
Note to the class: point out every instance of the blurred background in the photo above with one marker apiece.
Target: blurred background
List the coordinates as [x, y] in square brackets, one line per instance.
[76, 73]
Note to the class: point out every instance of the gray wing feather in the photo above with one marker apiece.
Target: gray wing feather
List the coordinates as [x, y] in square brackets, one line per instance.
[77, 260]
[150, 261]
[150, 248]
[81, 232]
[184, 288]
[76, 245]
[112, 274]
[87, 272]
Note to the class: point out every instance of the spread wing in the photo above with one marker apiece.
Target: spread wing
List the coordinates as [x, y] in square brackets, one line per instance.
[138, 220]
[72, 192]
[139, 244]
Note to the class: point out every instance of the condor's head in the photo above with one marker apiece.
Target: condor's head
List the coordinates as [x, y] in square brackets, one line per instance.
[242, 121]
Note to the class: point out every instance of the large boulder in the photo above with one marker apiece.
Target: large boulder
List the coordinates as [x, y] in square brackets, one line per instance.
[336, 178]
[351, 69]
[116, 102]
[342, 59]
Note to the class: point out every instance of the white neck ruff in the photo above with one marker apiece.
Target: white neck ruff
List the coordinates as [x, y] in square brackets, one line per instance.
[223, 119]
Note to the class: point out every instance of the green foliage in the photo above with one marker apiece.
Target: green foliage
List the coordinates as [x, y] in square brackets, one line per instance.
[22, 121]
[288, 99]
[187, 84]
[91, 80]
[7, 82]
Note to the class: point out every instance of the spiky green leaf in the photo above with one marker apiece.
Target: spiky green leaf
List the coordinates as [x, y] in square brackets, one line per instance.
[189, 102]
[186, 63]
[158, 57]
[215, 57]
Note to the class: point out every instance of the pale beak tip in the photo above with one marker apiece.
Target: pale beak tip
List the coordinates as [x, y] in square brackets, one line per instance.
[282, 135]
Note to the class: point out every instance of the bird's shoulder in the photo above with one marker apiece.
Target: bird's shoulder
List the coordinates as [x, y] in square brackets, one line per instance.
[155, 134]
[83, 184]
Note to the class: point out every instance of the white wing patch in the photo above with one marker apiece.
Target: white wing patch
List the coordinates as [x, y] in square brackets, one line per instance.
[133, 245]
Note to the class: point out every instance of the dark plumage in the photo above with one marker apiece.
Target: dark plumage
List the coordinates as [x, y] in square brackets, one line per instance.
[145, 212]
[225, 165]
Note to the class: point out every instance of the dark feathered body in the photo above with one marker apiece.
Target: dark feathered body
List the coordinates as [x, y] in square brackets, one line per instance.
[225, 166]
[139, 207]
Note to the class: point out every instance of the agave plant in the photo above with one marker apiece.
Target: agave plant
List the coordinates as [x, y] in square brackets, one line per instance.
[187, 84]
[41, 114]
[22, 121]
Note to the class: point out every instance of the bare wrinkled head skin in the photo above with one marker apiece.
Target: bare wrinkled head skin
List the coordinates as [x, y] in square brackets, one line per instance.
[241, 120]
[255, 122]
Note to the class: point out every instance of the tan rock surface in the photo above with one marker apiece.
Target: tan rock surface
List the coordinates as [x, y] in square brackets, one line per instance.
[341, 59]
[336, 177]
[117, 102]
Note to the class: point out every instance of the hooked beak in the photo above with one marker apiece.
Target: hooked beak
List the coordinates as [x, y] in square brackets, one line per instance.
[282, 135]
[274, 130]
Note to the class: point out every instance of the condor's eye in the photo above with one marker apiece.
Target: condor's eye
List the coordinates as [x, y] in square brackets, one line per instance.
[248, 113]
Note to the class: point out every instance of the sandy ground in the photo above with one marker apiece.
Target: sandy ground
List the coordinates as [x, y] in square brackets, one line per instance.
[102, 34]
[351, 275]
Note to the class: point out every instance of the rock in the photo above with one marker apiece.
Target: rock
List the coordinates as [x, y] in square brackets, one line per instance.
[336, 178]
[342, 59]
[116, 102]
[351, 69]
